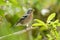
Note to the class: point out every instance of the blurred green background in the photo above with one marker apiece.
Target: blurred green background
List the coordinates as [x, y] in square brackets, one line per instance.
[12, 10]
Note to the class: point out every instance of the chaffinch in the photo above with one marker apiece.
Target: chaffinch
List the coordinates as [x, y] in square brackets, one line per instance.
[26, 19]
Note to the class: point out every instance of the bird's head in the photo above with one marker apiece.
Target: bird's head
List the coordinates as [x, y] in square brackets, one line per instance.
[30, 10]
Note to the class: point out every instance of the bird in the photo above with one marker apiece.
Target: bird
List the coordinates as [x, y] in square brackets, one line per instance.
[26, 21]
[27, 18]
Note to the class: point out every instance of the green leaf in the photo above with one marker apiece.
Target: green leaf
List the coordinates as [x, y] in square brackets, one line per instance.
[57, 21]
[40, 22]
[36, 24]
[51, 17]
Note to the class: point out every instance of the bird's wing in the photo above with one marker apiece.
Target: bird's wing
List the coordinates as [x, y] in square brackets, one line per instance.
[21, 19]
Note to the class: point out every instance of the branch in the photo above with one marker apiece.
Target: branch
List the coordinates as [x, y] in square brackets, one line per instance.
[19, 32]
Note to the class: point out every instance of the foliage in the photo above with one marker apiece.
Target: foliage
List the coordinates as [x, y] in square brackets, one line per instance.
[48, 29]
[43, 27]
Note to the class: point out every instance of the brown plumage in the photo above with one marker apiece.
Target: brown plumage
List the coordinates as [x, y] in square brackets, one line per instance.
[26, 19]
